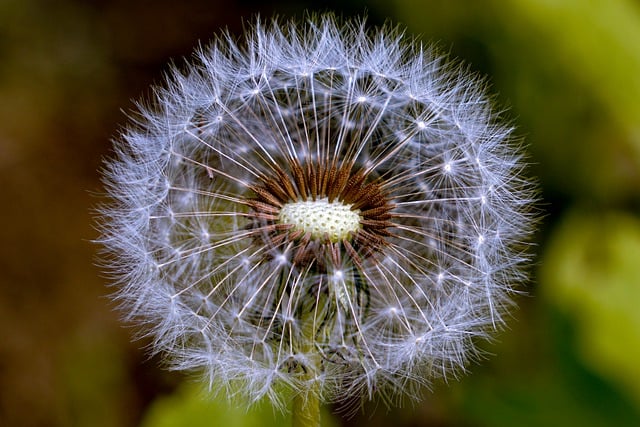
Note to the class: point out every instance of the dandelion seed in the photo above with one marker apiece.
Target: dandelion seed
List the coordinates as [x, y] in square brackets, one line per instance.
[323, 209]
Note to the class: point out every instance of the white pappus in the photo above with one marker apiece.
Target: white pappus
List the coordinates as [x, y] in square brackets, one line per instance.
[319, 208]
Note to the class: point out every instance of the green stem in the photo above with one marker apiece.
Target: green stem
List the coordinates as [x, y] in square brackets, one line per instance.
[306, 404]
[306, 410]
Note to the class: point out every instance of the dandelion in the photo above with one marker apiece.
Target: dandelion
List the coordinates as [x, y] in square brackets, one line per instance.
[320, 211]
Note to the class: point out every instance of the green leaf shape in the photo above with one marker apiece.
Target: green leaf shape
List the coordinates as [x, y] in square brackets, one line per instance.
[591, 272]
[191, 406]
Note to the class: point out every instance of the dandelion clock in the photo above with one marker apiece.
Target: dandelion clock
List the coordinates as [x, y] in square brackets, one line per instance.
[317, 212]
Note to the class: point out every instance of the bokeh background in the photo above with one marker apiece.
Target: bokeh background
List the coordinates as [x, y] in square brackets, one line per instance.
[568, 71]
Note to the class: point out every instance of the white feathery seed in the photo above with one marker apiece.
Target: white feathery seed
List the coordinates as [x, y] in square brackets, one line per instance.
[320, 208]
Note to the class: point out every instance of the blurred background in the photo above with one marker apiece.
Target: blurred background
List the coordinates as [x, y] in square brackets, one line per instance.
[568, 71]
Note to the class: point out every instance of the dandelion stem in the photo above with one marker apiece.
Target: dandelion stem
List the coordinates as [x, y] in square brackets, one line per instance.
[306, 410]
[306, 405]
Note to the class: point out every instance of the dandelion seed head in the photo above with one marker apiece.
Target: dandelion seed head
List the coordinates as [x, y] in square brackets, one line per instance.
[320, 207]
[334, 221]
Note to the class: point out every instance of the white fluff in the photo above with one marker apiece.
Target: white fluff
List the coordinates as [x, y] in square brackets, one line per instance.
[216, 298]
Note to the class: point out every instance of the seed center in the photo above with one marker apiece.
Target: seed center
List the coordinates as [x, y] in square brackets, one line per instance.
[321, 218]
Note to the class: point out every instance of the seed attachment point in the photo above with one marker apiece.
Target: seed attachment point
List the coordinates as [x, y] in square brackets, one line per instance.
[335, 220]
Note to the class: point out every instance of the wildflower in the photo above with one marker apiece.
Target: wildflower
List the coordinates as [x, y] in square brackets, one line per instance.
[320, 208]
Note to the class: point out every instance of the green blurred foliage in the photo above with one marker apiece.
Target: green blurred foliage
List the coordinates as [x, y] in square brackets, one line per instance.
[191, 406]
[537, 378]
[591, 271]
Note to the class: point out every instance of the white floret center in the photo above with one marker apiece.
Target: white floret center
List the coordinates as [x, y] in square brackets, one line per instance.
[321, 218]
